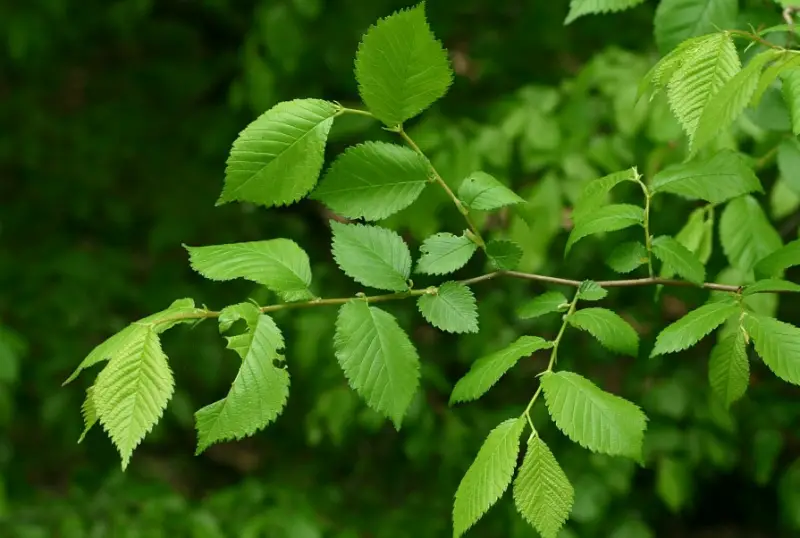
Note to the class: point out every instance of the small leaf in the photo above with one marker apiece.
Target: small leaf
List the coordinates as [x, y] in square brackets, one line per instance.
[677, 20]
[594, 193]
[444, 253]
[579, 8]
[89, 412]
[551, 301]
[770, 285]
[373, 180]
[693, 327]
[722, 177]
[542, 492]
[746, 234]
[627, 256]
[609, 328]
[488, 370]
[597, 420]
[679, 258]
[505, 255]
[483, 192]
[697, 235]
[591, 291]
[785, 64]
[401, 68]
[778, 345]
[728, 368]
[789, 162]
[662, 72]
[791, 95]
[371, 255]
[276, 160]
[377, 357]
[278, 264]
[240, 311]
[606, 219]
[452, 308]
[777, 262]
[489, 475]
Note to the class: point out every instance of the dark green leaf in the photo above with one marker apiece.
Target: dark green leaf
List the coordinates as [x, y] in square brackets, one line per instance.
[505, 255]
[679, 258]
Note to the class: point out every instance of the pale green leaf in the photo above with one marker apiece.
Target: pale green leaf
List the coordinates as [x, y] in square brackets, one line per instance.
[488, 370]
[789, 61]
[662, 72]
[609, 328]
[679, 258]
[693, 327]
[778, 261]
[258, 393]
[593, 418]
[276, 160]
[551, 301]
[483, 192]
[728, 368]
[505, 255]
[677, 20]
[698, 234]
[240, 311]
[489, 475]
[542, 492]
[778, 345]
[373, 180]
[789, 162]
[596, 191]
[783, 200]
[791, 94]
[770, 285]
[89, 413]
[746, 234]
[444, 253]
[377, 357]
[452, 308]
[401, 68]
[606, 219]
[722, 177]
[627, 256]
[279, 264]
[371, 255]
[579, 8]
[591, 291]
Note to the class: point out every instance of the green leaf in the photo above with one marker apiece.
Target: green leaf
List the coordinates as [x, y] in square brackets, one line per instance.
[579, 8]
[270, 336]
[276, 160]
[627, 256]
[677, 20]
[722, 177]
[444, 253]
[609, 328]
[673, 482]
[240, 311]
[785, 64]
[542, 492]
[789, 162]
[783, 200]
[595, 192]
[452, 308]
[377, 357]
[777, 262]
[505, 255]
[551, 301]
[258, 393]
[488, 370]
[597, 420]
[679, 258]
[693, 327]
[698, 234]
[371, 255]
[489, 475]
[591, 291]
[89, 413]
[770, 285]
[401, 68]
[483, 192]
[791, 94]
[373, 180]
[662, 72]
[279, 264]
[132, 391]
[606, 219]
[746, 234]
[694, 85]
[778, 345]
[728, 368]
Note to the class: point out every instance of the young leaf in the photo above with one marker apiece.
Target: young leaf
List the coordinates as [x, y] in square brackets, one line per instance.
[401, 68]
[594, 193]
[693, 327]
[597, 420]
[371, 255]
[677, 20]
[542, 492]
[258, 393]
[489, 475]
[244, 311]
[551, 301]
[722, 177]
[609, 328]
[770, 285]
[89, 413]
[791, 94]
[278, 264]
[776, 263]
[377, 357]
[778, 345]
[746, 234]
[444, 253]
[488, 370]
[789, 162]
[662, 72]
[591, 291]
[606, 219]
[452, 308]
[483, 192]
[679, 258]
[505, 255]
[627, 256]
[276, 159]
[579, 8]
[373, 180]
[728, 368]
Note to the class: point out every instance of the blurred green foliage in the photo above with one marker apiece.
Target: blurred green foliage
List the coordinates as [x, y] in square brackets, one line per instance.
[118, 117]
